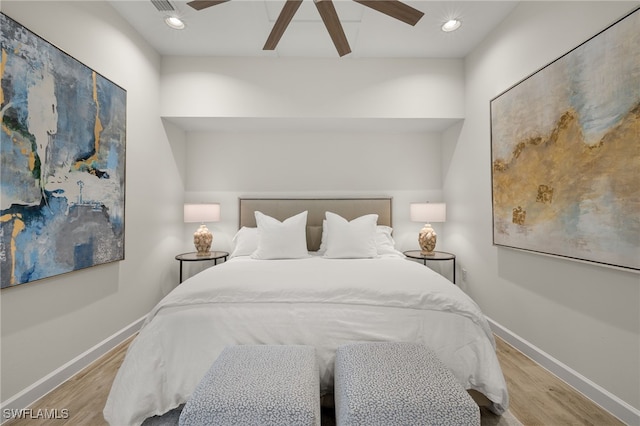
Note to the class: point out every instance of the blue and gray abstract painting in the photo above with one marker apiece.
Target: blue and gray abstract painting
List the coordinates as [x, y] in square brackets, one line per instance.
[62, 175]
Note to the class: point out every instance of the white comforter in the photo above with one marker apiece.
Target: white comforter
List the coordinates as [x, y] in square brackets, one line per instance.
[316, 301]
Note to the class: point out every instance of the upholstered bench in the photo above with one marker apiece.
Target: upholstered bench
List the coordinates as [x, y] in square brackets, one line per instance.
[258, 385]
[398, 384]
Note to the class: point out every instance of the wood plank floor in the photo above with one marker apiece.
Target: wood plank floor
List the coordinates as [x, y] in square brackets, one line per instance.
[537, 397]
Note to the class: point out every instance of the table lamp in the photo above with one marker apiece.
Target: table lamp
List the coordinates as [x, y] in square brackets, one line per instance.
[202, 213]
[427, 213]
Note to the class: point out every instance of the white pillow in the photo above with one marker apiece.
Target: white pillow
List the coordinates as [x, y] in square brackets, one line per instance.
[245, 242]
[349, 240]
[281, 240]
[323, 238]
[385, 244]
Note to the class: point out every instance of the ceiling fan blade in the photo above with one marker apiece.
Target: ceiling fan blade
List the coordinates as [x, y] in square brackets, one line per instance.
[395, 9]
[286, 15]
[203, 4]
[330, 18]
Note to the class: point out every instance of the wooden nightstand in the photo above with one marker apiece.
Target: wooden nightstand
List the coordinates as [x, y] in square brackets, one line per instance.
[193, 257]
[437, 255]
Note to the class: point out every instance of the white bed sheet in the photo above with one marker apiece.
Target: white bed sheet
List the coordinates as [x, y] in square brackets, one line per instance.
[315, 301]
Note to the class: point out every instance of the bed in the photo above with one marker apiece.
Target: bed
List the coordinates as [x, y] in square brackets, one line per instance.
[320, 272]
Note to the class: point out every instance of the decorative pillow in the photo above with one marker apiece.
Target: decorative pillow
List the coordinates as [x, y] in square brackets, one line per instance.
[281, 240]
[245, 242]
[385, 243]
[351, 240]
[323, 239]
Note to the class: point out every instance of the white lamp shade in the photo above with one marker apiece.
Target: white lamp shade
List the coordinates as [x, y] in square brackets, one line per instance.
[428, 212]
[201, 213]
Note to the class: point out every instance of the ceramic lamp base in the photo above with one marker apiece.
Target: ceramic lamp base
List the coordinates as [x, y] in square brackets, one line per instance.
[202, 240]
[427, 240]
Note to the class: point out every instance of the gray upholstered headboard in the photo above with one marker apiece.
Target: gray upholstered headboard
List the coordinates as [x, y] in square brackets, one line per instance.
[282, 208]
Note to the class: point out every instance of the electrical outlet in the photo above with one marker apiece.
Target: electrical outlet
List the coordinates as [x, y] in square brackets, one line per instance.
[464, 274]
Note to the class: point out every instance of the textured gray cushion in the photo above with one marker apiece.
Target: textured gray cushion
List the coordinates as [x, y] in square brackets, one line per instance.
[258, 385]
[398, 384]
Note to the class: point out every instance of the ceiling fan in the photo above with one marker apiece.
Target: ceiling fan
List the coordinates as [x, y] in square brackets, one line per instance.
[394, 8]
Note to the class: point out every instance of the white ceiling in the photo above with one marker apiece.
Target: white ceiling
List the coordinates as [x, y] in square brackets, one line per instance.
[241, 27]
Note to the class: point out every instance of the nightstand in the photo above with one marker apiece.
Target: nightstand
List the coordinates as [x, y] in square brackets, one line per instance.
[437, 255]
[194, 257]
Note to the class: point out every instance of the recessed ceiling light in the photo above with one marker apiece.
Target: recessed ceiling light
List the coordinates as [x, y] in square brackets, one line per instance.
[451, 25]
[174, 22]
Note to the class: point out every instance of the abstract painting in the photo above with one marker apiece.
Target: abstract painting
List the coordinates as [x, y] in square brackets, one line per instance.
[62, 174]
[565, 151]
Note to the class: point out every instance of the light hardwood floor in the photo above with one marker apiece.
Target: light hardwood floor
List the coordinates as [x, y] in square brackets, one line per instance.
[537, 397]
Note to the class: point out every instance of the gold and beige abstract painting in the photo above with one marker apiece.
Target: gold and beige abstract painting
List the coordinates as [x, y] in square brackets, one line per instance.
[566, 153]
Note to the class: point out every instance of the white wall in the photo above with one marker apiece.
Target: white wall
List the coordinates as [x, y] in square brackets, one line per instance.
[585, 316]
[47, 323]
[225, 166]
[285, 87]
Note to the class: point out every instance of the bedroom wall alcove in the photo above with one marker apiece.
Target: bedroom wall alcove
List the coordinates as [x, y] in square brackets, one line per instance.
[226, 166]
[314, 127]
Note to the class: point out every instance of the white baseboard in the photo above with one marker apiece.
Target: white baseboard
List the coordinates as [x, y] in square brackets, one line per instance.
[33, 393]
[605, 399]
